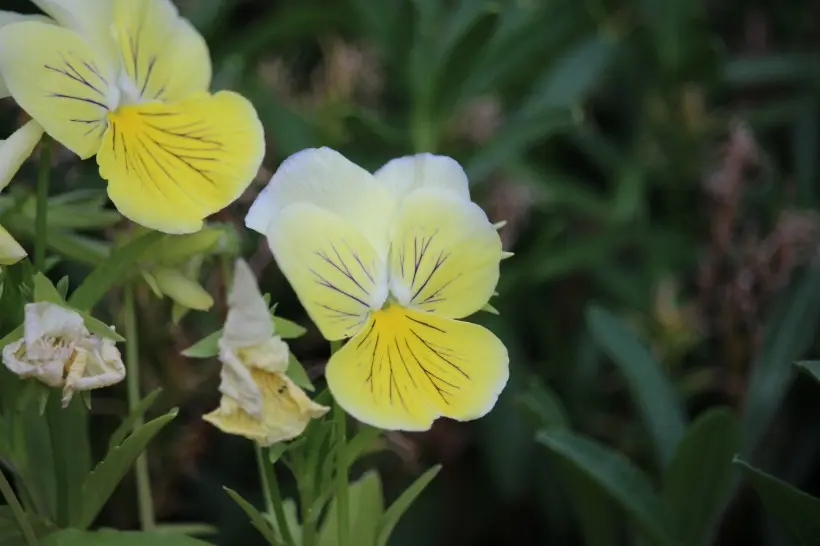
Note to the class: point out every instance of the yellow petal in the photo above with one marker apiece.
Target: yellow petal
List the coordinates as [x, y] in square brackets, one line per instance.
[169, 166]
[16, 149]
[326, 179]
[334, 270]
[444, 255]
[10, 250]
[58, 81]
[91, 18]
[406, 368]
[6, 18]
[163, 55]
[182, 290]
[405, 174]
[286, 411]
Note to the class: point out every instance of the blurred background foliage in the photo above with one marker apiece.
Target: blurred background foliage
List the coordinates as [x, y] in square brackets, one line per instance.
[656, 162]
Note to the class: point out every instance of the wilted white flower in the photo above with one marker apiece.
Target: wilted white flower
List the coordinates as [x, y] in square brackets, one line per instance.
[57, 349]
[258, 400]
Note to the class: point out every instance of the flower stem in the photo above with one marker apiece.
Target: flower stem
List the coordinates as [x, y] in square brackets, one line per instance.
[41, 222]
[17, 510]
[145, 501]
[342, 486]
[273, 495]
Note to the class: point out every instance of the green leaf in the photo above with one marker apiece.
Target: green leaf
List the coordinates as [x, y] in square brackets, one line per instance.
[543, 405]
[297, 374]
[797, 512]
[391, 517]
[659, 404]
[127, 425]
[173, 250]
[10, 534]
[698, 481]
[287, 329]
[112, 272]
[45, 291]
[109, 537]
[811, 367]
[99, 328]
[616, 474]
[789, 332]
[573, 76]
[257, 519]
[62, 287]
[206, 347]
[12, 336]
[69, 434]
[366, 507]
[102, 481]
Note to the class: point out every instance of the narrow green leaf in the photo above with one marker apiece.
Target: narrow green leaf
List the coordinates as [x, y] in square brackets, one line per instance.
[113, 271]
[699, 478]
[811, 367]
[287, 329]
[297, 374]
[797, 512]
[206, 347]
[391, 517]
[109, 537]
[12, 336]
[62, 287]
[659, 404]
[45, 291]
[99, 328]
[68, 429]
[257, 519]
[573, 76]
[10, 534]
[625, 483]
[109, 472]
[541, 403]
[790, 330]
[127, 425]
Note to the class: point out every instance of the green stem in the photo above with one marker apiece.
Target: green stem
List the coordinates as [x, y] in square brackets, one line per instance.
[145, 500]
[273, 495]
[17, 510]
[342, 486]
[41, 223]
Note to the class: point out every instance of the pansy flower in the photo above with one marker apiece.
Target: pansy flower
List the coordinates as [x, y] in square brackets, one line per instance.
[57, 349]
[127, 81]
[392, 261]
[258, 401]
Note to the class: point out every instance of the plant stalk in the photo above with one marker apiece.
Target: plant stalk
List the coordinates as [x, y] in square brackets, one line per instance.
[145, 501]
[342, 486]
[273, 495]
[41, 219]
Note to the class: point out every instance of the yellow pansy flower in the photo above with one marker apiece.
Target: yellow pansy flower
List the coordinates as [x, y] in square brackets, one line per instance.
[258, 400]
[127, 81]
[391, 260]
[57, 349]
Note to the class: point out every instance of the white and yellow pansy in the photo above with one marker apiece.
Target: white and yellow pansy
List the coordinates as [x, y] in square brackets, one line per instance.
[391, 260]
[57, 349]
[258, 401]
[127, 81]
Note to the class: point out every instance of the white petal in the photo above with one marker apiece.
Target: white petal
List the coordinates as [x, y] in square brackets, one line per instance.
[237, 382]
[44, 319]
[326, 179]
[6, 18]
[249, 322]
[405, 174]
[91, 18]
[16, 149]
